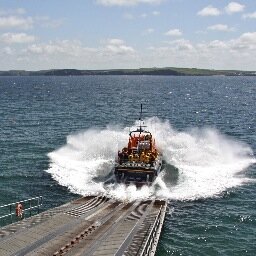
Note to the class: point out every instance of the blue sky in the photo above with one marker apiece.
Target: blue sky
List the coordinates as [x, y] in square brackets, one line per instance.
[105, 34]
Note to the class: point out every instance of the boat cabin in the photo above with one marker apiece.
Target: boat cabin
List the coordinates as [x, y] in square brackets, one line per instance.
[140, 148]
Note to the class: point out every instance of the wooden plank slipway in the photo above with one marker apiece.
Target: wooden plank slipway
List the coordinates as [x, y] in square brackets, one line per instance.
[92, 225]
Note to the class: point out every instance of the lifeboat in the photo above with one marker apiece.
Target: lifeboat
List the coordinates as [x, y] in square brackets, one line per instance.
[140, 161]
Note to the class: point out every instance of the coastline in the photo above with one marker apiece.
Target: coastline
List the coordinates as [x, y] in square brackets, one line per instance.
[142, 71]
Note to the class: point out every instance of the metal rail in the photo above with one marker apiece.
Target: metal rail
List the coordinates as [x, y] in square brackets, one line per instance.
[135, 229]
[150, 238]
[27, 207]
[88, 226]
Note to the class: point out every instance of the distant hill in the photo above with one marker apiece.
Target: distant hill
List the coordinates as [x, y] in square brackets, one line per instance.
[169, 71]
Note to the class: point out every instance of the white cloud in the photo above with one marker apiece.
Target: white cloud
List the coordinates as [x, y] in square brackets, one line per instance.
[75, 48]
[182, 44]
[173, 32]
[16, 22]
[156, 13]
[148, 31]
[21, 22]
[74, 54]
[18, 11]
[250, 15]
[209, 11]
[217, 44]
[19, 38]
[130, 16]
[8, 50]
[115, 41]
[221, 27]
[47, 22]
[143, 15]
[56, 54]
[238, 53]
[234, 7]
[246, 41]
[117, 47]
[127, 2]
[64, 47]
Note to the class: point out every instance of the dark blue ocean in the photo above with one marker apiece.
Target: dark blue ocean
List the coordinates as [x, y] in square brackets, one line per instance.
[59, 137]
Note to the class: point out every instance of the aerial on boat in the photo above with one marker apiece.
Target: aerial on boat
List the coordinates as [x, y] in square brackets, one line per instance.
[140, 162]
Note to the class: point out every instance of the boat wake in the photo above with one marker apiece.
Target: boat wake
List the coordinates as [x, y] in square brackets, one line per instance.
[199, 163]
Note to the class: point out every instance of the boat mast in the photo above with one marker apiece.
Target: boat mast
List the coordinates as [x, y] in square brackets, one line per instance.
[140, 117]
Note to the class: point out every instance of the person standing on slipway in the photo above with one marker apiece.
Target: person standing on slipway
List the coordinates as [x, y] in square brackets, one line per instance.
[19, 210]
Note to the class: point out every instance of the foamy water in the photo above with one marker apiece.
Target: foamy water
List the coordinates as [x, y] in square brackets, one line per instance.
[208, 163]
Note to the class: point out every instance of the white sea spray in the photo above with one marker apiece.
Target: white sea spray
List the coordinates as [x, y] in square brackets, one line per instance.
[208, 163]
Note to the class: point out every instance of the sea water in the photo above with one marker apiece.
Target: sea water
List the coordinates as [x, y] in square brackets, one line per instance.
[60, 136]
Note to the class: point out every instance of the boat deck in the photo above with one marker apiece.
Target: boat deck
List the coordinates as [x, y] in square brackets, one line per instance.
[91, 225]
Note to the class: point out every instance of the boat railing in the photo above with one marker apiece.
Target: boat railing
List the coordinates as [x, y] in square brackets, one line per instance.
[30, 207]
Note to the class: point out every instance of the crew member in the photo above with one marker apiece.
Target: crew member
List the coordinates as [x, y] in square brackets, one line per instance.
[142, 156]
[19, 210]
